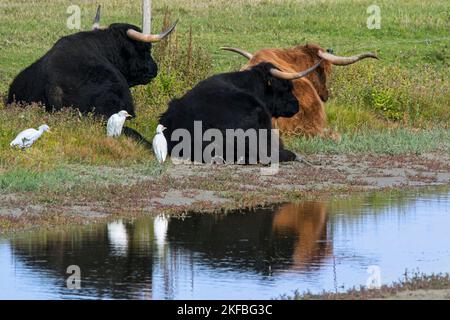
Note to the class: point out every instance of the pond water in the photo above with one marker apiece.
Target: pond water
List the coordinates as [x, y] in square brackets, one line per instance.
[259, 254]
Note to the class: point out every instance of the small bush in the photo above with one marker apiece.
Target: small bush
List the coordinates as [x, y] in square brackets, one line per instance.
[384, 102]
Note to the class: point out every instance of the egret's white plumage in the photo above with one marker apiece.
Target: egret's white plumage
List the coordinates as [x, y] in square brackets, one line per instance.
[160, 144]
[27, 137]
[115, 123]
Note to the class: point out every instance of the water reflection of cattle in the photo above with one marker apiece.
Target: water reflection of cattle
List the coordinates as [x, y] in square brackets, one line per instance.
[293, 236]
[308, 220]
[235, 241]
[91, 71]
[311, 91]
[121, 260]
[115, 261]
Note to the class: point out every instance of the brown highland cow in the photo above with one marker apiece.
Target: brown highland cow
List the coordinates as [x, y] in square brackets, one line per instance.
[310, 91]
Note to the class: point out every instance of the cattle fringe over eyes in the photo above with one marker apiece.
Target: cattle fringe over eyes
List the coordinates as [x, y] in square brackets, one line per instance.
[310, 91]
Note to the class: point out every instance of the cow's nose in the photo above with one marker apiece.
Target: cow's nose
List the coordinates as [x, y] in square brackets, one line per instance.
[153, 70]
[153, 73]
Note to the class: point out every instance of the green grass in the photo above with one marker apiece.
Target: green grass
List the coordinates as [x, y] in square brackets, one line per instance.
[392, 142]
[22, 180]
[412, 32]
[67, 178]
[399, 104]
[74, 140]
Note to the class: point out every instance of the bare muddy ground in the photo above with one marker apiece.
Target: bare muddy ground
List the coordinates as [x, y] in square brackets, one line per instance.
[219, 188]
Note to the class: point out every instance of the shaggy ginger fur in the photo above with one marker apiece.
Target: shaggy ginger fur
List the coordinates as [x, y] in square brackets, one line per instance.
[310, 91]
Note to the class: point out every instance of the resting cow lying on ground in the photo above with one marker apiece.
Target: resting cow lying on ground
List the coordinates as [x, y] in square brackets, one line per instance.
[236, 100]
[310, 91]
[90, 71]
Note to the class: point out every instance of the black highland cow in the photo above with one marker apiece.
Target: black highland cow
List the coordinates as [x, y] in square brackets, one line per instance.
[235, 100]
[91, 71]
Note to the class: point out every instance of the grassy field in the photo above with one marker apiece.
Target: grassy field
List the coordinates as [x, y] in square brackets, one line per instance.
[398, 105]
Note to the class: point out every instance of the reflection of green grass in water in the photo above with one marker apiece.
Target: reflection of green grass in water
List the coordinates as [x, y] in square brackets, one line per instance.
[142, 236]
[383, 200]
[377, 202]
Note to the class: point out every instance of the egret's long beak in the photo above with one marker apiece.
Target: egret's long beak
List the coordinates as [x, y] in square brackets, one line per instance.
[129, 116]
[50, 131]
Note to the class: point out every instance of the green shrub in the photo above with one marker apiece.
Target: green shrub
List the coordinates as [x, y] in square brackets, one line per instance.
[385, 103]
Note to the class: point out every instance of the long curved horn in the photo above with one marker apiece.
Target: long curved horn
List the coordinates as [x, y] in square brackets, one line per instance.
[343, 61]
[293, 75]
[139, 36]
[244, 53]
[96, 24]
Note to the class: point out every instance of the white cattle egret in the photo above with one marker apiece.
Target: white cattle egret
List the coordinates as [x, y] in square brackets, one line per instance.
[160, 144]
[115, 123]
[27, 137]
